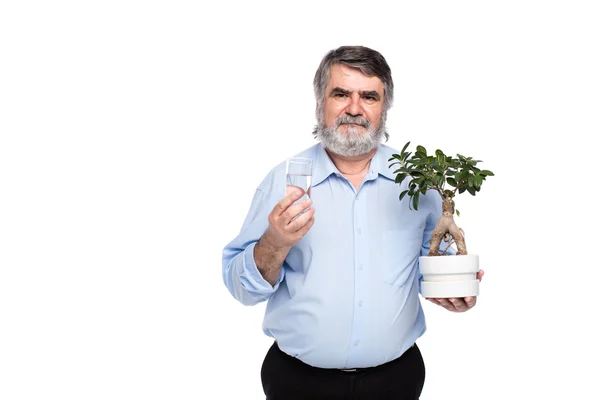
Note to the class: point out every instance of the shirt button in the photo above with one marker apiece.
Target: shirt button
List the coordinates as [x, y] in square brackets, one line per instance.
[360, 303]
[360, 267]
[359, 231]
[356, 343]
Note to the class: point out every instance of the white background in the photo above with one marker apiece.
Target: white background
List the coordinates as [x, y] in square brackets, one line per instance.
[133, 135]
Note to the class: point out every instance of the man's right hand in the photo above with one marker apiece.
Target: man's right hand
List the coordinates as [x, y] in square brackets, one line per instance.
[283, 232]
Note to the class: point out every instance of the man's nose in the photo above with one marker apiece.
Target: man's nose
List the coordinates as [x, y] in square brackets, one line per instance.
[354, 108]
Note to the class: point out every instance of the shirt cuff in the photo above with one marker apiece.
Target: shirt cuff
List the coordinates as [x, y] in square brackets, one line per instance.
[254, 278]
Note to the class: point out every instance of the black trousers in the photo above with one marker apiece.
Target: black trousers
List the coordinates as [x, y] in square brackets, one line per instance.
[287, 378]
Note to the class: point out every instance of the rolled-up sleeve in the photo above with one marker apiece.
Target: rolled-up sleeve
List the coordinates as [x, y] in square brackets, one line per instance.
[240, 273]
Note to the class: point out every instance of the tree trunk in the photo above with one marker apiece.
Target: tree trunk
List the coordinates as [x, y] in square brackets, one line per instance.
[446, 226]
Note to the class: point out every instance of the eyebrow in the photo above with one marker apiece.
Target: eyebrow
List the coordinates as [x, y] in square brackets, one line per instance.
[363, 93]
[372, 93]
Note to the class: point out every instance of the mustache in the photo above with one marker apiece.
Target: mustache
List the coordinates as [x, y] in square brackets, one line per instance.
[348, 119]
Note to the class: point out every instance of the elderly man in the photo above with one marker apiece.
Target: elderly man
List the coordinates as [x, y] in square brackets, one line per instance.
[339, 270]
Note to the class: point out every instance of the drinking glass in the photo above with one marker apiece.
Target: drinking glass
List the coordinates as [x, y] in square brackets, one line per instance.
[298, 175]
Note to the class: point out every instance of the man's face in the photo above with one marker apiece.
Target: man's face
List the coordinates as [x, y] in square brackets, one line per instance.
[350, 121]
[350, 92]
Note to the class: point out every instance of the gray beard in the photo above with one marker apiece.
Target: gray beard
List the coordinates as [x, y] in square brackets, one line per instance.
[352, 142]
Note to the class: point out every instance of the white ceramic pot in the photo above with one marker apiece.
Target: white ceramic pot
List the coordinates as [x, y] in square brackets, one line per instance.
[449, 276]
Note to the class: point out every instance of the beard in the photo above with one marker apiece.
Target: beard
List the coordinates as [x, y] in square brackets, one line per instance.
[355, 141]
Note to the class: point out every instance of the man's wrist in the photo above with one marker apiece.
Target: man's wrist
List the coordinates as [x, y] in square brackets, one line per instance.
[271, 245]
[269, 258]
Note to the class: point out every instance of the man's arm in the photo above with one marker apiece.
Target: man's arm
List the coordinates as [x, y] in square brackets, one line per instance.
[252, 262]
[240, 274]
[286, 227]
[269, 259]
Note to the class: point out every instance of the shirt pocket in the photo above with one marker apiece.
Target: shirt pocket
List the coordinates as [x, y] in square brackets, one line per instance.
[401, 249]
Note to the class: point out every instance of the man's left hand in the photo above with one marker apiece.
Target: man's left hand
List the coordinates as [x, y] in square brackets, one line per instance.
[461, 304]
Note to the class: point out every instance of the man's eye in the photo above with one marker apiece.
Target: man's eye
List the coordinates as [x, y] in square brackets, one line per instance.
[339, 95]
[370, 98]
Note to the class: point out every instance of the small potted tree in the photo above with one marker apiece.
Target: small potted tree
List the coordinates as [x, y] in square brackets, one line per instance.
[455, 275]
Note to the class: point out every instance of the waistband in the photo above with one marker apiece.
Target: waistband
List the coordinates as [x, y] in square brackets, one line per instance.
[351, 370]
[347, 370]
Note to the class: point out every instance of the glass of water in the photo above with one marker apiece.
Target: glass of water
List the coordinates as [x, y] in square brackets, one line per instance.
[298, 175]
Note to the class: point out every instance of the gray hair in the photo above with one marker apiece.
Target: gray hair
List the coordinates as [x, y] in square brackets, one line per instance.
[368, 61]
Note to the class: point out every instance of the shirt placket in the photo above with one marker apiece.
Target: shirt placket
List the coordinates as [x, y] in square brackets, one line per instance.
[357, 338]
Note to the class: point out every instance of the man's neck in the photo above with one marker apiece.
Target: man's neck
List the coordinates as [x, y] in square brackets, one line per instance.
[353, 165]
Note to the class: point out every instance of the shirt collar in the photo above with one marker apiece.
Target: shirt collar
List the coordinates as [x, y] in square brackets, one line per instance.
[324, 167]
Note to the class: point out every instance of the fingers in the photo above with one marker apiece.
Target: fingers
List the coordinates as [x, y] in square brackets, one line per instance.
[434, 301]
[287, 201]
[301, 220]
[459, 304]
[303, 230]
[471, 301]
[448, 304]
[282, 219]
[289, 222]
[293, 211]
[455, 304]
[480, 274]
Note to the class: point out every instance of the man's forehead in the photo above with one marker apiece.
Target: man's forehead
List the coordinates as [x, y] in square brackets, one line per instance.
[342, 75]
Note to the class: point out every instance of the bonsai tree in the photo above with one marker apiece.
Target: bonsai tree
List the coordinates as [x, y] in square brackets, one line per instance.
[447, 176]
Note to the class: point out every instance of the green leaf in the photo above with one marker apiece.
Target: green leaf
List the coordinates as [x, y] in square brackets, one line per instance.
[440, 180]
[458, 213]
[451, 181]
[405, 146]
[403, 194]
[462, 175]
[421, 149]
[400, 178]
[416, 201]
[471, 190]
[486, 172]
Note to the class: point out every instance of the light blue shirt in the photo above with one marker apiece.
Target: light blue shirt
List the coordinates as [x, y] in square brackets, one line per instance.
[348, 293]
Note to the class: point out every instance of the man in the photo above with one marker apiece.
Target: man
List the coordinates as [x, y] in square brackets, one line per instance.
[341, 279]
